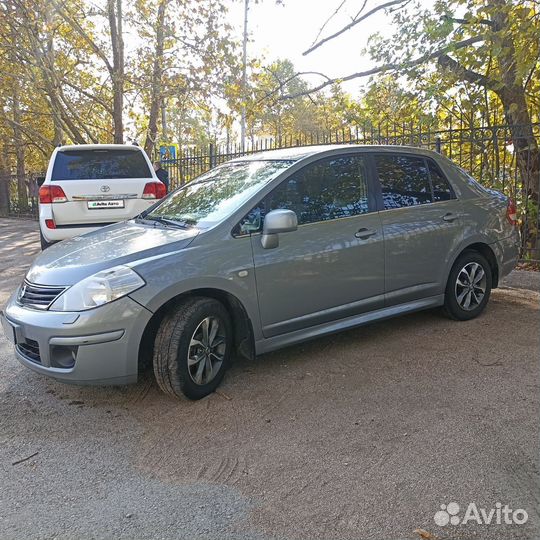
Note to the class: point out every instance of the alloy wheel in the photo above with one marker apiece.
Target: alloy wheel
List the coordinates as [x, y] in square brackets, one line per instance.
[471, 286]
[206, 350]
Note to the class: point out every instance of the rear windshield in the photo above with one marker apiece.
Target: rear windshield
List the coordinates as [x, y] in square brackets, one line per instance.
[100, 165]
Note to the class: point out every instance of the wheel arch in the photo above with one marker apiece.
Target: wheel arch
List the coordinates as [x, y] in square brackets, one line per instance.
[242, 326]
[485, 250]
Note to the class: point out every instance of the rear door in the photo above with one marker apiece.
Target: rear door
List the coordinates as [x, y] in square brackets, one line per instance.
[422, 224]
[102, 185]
[331, 267]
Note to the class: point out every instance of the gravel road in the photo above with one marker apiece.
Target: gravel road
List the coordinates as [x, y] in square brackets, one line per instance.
[361, 435]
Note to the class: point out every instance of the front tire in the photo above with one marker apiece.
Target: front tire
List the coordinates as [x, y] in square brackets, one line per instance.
[192, 349]
[469, 286]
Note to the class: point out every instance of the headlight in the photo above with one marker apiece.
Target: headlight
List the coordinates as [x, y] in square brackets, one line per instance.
[99, 289]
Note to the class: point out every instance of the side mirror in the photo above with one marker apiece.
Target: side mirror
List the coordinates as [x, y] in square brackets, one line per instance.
[275, 222]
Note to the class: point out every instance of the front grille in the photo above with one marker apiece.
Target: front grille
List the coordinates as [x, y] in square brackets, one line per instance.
[38, 296]
[30, 349]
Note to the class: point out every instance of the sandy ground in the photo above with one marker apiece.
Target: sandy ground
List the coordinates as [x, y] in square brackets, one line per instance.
[361, 435]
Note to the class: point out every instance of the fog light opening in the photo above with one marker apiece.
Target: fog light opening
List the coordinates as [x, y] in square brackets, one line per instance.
[63, 356]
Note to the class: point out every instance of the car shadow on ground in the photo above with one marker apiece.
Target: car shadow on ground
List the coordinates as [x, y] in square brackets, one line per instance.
[357, 417]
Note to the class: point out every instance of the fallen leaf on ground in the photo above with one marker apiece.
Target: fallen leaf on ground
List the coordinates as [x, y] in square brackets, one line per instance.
[425, 534]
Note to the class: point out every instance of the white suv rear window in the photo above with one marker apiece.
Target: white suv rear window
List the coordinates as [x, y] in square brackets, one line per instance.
[100, 165]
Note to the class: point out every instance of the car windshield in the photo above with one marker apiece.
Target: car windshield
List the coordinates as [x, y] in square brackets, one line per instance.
[213, 196]
[100, 164]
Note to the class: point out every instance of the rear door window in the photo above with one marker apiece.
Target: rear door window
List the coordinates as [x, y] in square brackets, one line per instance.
[404, 180]
[442, 191]
[100, 164]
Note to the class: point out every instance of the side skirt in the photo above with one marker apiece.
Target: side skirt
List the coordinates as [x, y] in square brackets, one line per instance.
[277, 342]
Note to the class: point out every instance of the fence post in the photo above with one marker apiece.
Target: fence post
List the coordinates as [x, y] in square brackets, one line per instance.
[212, 155]
[438, 144]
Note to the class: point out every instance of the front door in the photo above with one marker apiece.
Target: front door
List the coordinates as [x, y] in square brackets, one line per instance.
[333, 265]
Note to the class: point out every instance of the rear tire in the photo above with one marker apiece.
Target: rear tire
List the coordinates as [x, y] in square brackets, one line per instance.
[43, 242]
[468, 287]
[192, 349]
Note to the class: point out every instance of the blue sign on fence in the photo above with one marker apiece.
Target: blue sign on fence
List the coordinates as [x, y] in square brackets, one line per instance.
[168, 152]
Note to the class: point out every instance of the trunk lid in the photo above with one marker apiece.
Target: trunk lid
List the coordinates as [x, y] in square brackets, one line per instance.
[102, 185]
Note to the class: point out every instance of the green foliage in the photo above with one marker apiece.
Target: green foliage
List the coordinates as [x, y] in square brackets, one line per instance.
[54, 53]
[58, 59]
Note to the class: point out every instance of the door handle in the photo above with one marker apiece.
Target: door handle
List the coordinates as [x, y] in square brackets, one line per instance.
[450, 217]
[364, 233]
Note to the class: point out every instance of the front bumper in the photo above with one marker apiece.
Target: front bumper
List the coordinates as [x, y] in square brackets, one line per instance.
[98, 346]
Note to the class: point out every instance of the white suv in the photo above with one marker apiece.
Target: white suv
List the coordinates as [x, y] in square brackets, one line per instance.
[91, 185]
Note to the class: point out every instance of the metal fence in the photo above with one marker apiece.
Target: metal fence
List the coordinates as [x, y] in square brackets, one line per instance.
[488, 153]
[485, 152]
[19, 195]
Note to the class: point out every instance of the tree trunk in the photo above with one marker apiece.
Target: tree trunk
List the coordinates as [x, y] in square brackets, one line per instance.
[50, 56]
[44, 58]
[528, 164]
[18, 141]
[180, 136]
[157, 74]
[4, 181]
[114, 8]
[512, 96]
[510, 89]
[22, 193]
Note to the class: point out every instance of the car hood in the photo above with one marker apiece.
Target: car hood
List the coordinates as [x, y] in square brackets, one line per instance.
[70, 261]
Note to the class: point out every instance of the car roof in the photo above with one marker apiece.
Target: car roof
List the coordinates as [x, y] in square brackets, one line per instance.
[298, 153]
[73, 147]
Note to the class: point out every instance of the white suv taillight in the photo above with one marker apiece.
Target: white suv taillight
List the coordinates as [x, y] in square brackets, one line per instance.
[51, 194]
[511, 212]
[154, 190]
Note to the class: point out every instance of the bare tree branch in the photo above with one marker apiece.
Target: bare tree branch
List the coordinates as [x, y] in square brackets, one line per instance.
[336, 11]
[392, 66]
[89, 95]
[84, 35]
[354, 22]
[487, 22]
[75, 116]
[446, 62]
[531, 72]
[282, 84]
[28, 130]
[361, 9]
